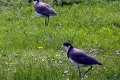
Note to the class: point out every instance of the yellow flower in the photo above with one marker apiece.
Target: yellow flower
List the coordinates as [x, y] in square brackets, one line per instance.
[39, 47]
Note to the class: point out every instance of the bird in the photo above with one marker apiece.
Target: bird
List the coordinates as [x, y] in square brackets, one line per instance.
[44, 10]
[80, 57]
[30, 1]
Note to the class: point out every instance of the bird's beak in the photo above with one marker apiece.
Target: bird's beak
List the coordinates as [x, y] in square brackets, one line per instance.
[30, 1]
[62, 47]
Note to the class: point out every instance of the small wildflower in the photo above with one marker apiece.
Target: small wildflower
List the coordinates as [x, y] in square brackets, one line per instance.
[60, 62]
[49, 56]
[43, 60]
[15, 55]
[63, 75]
[16, 62]
[61, 51]
[65, 71]
[35, 59]
[57, 55]
[24, 61]
[69, 74]
[8, 69]
[11, 64]
[5, 69]
[39, 47]
[6, 63]
[118, 53]
[14, 71]
[101, 50]
[114, 75]
[99, 46]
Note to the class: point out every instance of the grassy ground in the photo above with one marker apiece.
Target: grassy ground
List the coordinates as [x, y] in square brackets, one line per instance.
[93, 26]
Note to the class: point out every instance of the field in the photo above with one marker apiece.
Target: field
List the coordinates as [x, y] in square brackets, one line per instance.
[29, 50]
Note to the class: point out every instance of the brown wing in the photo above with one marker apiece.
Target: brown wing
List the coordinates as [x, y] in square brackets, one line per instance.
[82, 58]
[80, 51]
[44, 9]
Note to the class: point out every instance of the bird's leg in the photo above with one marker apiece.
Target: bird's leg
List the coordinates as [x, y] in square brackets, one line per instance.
[87, 71]
[79, 72]
[48, 18]
[45, 22]
[48, 21]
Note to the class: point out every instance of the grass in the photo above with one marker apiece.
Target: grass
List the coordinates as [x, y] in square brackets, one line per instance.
[92, 26]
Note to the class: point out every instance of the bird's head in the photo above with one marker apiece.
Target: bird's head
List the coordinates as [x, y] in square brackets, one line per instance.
[36, 1]
[67, 46]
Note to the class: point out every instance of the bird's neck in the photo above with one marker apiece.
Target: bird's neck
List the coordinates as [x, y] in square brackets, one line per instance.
[68, 50]
[35, 2]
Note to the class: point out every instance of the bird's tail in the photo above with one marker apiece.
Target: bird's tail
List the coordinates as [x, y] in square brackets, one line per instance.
[99, 63]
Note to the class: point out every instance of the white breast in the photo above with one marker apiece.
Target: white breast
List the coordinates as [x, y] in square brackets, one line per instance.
[39, 14]
[35, 2]
[75, 63]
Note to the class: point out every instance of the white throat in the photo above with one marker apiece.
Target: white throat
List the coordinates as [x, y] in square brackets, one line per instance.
[67, 48]
[35, 2]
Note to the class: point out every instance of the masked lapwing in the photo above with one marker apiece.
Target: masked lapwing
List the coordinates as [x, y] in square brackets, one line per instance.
[44, 10]
[80, 57]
